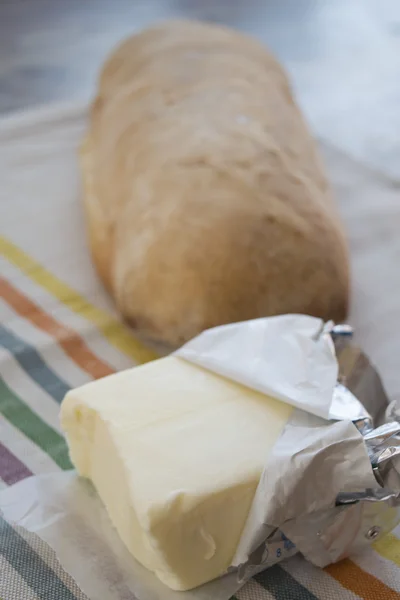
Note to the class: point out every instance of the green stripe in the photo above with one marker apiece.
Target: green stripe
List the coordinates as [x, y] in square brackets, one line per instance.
[282, 585]
[28, 564]
[30, 360]
[32, 426]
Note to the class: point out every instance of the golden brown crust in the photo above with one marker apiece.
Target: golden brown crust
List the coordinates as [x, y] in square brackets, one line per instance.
[205, 198]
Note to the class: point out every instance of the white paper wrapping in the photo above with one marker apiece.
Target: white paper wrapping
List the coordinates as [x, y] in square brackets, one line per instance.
[65, 512]
[284, 357]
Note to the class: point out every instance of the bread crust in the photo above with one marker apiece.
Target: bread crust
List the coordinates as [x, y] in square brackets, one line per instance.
[205, 198]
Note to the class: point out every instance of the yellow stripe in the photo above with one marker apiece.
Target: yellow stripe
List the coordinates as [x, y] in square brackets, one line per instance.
[111, 328]
[389, 548]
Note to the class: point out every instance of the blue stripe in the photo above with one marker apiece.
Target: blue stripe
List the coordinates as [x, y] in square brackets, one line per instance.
[282, 585]
[31, 361]
[28, 564]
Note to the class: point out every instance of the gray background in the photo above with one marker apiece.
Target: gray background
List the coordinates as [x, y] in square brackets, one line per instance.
[343, 57]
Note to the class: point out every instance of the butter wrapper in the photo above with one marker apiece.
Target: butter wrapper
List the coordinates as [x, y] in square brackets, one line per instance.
[287, 357]
[329, 488]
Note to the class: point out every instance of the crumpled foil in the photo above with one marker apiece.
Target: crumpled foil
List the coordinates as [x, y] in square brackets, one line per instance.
[329, 489]
[358, 518]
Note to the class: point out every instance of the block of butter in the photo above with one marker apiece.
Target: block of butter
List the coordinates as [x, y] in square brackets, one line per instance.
[175, 453]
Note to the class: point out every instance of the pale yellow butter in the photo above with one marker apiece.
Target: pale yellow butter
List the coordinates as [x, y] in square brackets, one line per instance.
[175, 453]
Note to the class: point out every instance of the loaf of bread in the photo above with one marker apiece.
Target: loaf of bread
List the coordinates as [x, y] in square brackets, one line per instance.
[205, 198]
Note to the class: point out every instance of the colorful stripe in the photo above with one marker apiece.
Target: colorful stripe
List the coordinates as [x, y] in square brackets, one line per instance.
[365, 585]
[93, 338]
[12, 586]
[72, 344]
[33, 457]
[41, 548]
[28, 564]
[253, 590]
[282, 585]
[23, 418]
[316, 580]
[110, 327]
[27, 389]
[33, 364]
[12, 469]
[378, 567]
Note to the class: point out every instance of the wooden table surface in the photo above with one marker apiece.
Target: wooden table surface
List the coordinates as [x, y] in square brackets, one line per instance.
[343, 57]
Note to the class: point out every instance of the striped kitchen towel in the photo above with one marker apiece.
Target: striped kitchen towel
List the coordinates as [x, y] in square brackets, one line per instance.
[58, 330]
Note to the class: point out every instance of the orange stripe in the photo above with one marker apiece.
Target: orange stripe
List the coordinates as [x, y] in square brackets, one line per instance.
[67, 338]
[361, 583]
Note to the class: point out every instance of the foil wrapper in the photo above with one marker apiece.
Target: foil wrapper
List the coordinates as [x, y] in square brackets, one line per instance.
[358, 518]
[330, 488]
